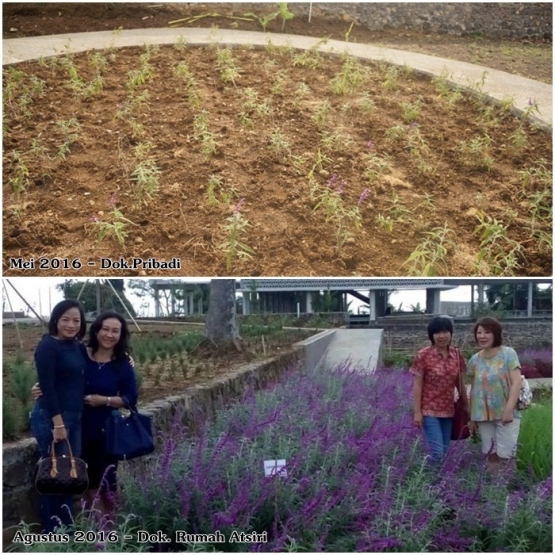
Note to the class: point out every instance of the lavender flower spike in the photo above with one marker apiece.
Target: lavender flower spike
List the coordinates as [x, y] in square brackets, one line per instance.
[370, 145]
[332, 181]
[363, 196]
[238, 207]
[113, 200]
[93, 218]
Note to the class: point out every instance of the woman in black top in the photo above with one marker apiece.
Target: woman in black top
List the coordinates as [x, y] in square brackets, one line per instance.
[56, 416]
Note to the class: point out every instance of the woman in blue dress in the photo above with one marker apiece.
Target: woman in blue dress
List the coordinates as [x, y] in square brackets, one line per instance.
[109, 384]
[56, 415]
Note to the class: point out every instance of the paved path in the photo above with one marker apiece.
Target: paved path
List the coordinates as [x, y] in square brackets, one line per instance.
[360, 346]
[497, 85]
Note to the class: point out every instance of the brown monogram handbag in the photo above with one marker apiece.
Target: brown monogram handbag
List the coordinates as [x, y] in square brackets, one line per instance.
[61, 474]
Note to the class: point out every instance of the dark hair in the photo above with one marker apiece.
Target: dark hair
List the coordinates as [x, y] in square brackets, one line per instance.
[439, 323]
[121, 348]
[493, 326]
[59, 310]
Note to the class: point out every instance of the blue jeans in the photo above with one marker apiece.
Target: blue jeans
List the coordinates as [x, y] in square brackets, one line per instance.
[438, 436]
[56, 508]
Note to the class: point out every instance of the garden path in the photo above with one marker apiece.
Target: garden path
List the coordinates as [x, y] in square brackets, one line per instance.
[496, 84]
[362, 347]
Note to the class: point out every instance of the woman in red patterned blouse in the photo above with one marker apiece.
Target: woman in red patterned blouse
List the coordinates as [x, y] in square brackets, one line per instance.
[436, 375]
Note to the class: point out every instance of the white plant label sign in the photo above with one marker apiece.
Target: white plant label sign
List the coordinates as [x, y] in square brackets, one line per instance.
[275, 467]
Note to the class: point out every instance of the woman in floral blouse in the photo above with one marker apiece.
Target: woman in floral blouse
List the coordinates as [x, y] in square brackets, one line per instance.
[436, 372]
[495, 370]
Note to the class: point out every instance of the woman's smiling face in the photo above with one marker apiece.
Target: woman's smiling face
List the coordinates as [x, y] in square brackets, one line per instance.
[69, 324]
[109, 334]
[484, 337]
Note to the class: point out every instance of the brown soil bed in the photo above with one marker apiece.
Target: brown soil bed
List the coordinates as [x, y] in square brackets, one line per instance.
[279, 156]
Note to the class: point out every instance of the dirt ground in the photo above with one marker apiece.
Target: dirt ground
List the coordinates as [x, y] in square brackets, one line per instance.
[399, 179]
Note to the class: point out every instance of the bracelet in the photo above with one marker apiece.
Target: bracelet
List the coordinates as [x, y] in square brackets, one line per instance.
[58, 427]
[109, 400]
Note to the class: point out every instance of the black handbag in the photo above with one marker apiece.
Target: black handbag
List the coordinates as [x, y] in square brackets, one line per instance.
[128, 437]
[61, 474]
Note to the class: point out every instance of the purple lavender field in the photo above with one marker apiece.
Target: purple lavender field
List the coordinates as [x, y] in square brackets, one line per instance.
[356, 477]
[536, 363]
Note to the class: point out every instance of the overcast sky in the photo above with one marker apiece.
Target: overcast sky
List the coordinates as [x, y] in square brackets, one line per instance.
[42, 295]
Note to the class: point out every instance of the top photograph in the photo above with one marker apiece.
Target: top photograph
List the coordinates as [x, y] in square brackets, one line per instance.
[276, 139]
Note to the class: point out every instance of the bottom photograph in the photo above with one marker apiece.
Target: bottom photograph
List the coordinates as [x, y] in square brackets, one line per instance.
[277, 415]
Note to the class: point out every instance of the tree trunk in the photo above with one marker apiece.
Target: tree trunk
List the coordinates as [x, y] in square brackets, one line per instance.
[221, 319]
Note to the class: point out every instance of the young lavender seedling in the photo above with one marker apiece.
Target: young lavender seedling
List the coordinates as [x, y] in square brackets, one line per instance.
[237, 224]
[115, 226]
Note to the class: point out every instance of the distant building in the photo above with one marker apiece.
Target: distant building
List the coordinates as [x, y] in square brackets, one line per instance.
[456, 308]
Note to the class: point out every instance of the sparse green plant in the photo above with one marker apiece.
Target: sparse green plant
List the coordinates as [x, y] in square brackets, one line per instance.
[397, 210]
[280, 80]
[428, 202]
[114, 226]
[391, 81]
[429, 257]
[202, 133]
[385, 222]
[321, 115]
[367, 104]
[226, 66]
[411, 110]
[531, 108]
[447, 90]
[476, 153]
[302, 89]
[335, 141]
[20, 179]
[98, 61]
[507, 103]
[536, 176]
[233, 247]
[310, 58]
[146, 176]
[279, 145]
[216, 192]
[519, 141]
[284, 14]
[70, 129]
[180, 43]
[263, 21]
[375, 165]
[395, 133]
[478, 86]
[498, 251]
[214, 182]
[319, 162]
[541, 207]
[350, 78]
[252, 106]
